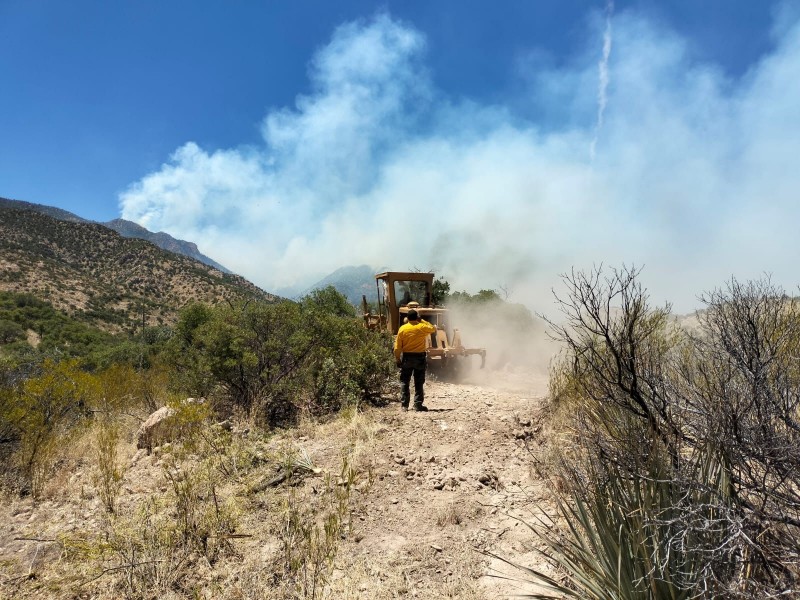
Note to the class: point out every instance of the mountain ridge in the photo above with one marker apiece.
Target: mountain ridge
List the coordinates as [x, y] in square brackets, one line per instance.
[92, 272]
[123, 227]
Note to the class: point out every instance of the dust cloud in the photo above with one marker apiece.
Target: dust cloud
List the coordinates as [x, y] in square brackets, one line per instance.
[518, 348]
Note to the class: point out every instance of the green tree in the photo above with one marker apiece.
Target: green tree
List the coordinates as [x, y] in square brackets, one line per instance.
[441, 291]
[330, 300]
[10, 331]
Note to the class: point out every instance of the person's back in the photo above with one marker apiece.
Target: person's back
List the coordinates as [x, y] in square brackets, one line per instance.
[410, 353]
[413, 336]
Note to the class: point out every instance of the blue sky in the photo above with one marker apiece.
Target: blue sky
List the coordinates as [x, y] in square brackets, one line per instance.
[287, 138]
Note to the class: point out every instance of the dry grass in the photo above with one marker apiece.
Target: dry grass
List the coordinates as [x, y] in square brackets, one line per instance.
[187, 524]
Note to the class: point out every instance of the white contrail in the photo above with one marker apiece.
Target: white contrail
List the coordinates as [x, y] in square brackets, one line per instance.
[603, 77]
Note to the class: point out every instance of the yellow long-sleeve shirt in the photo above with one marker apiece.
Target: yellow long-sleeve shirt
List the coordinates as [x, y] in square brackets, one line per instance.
[412, 337]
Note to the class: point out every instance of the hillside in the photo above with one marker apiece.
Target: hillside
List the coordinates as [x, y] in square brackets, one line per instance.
[94, 273]
[50, 211]
[162, 240]
[123, 227]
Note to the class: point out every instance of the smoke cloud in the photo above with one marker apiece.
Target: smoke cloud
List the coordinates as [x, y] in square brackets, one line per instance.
[693, 174]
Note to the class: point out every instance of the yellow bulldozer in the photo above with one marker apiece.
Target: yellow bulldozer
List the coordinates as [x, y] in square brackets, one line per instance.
[399, 292]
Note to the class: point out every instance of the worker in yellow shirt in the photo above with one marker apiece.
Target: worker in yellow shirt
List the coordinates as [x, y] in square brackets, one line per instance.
[409, 352]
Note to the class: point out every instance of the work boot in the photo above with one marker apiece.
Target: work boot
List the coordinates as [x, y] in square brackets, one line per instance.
[420, 408]
[403, 406]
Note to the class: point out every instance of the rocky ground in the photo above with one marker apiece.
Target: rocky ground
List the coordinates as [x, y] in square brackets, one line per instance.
[434, 491]
[451, 483]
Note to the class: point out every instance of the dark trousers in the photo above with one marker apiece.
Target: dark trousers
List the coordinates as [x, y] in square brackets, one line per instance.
[414, 363]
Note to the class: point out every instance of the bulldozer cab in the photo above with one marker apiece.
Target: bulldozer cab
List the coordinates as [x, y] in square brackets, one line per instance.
[398, 290]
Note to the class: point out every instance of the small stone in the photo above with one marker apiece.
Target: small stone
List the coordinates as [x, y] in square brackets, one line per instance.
[399, 460]
[393, 473]
[438, 485]
[436, 547]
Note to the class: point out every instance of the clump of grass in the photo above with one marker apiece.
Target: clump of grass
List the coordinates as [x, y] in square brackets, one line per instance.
[310, 536]
[452, 514]
[107, 477]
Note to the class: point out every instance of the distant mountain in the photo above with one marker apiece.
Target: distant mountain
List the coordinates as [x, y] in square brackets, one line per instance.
[352, 282]
[125, 228]
[96, 274]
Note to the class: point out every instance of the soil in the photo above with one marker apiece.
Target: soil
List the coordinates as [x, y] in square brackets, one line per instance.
[452, 484]
[449, 490]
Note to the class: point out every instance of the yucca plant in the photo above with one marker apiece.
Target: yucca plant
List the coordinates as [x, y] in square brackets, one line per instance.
[631, 536]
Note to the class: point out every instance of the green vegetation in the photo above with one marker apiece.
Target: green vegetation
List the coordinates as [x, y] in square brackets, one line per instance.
[271, 362]
[489, 302]
[102, 279]
[268, 363]
[254, 363]
[54, 332]
[32, 330]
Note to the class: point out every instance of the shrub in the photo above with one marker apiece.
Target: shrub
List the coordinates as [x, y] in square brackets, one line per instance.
[10, 331]
[707, 503]
[44, 411]
[268, 361]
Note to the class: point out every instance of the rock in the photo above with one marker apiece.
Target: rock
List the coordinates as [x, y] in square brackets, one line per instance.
[438, 485]
[141, 452]
[158, 428]
[399, 460]
[489, 479]
[436, 547]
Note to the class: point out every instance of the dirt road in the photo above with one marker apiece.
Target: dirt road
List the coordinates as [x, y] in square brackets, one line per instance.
[449, 483]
